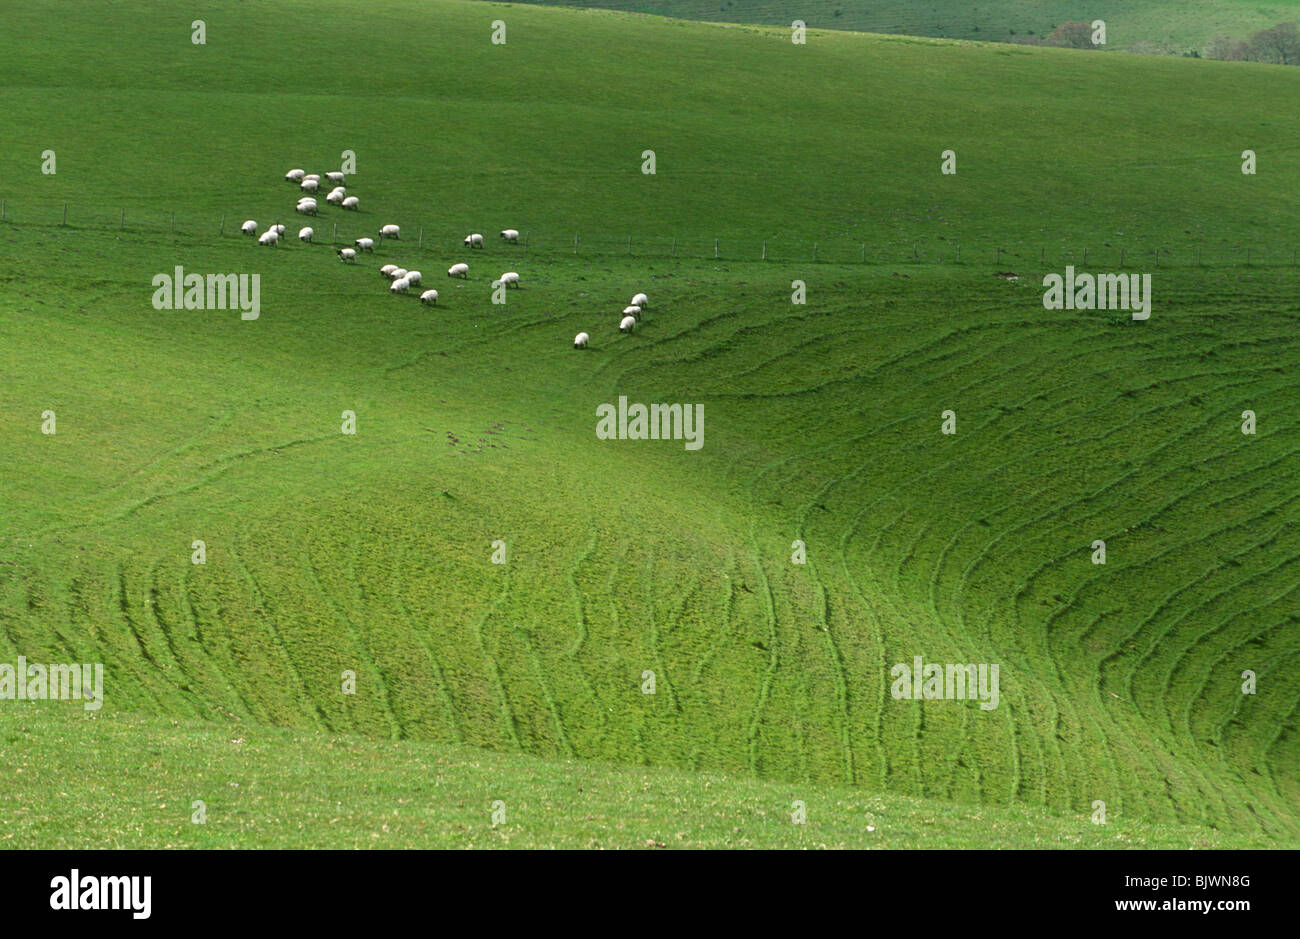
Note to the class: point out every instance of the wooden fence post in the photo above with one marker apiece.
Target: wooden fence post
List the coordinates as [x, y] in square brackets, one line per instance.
[65, 213]
[764, 257]
[814, 252]
[715, 247]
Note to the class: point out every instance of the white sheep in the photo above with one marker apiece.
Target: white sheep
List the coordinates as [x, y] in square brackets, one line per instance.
[640, 300]
[306, 208]
[629, 322]
[335, 177]
[414, 277]
[350, 203]
[387, 271]
[458, 270]
[335, 196]
[399, 285]
[365, 244]
[312, 176]
[510, 277]
[391, 231]
[580, 341]
[309, 185]
[294, 176]
[632, 311]
[278, 229]
[304, 234]
[269, 237]
[510, 235]
[397, 273]
[249, 227]
[347, 254]
[474, 241]
[429, 296]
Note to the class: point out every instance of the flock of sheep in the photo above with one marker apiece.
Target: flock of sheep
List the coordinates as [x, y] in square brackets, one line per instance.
[400, 279]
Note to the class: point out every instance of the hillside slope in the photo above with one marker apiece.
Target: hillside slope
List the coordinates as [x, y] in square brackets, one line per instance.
[372, 553]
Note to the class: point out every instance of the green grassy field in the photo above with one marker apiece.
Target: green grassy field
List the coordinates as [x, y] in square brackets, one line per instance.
[475, 423]
[1178, 26]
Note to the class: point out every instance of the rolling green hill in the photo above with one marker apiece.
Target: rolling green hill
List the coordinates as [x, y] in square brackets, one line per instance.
[372, 552]
[1176, 26]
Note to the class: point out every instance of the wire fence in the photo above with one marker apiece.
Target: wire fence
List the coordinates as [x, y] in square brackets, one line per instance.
[341, 227]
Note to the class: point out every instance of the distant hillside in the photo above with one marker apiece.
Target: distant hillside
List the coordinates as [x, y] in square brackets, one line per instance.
[1178, 26]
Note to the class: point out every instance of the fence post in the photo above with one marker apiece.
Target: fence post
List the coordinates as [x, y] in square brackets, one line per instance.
[997, 258]
[334, 235]
[814, 252]
[715, 247]
[1085, 256]
[65, 213]
[864, 252]
[674, 246]
[959, 254]
[764, 249]
[575, 244]
[915, 257]
[223, 220]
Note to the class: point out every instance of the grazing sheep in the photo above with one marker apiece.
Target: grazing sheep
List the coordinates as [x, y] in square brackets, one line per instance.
[510, 235]
[365, 244]
[347, 254]
[350, 203]
[269, 237]
[312, 176]
[306, 208]
[391, 231]
[387, 270]
[510, 277]
[397, 274]
[429, 296]
[458, 270]
[249, 227]
[309, 185]
[335, 196]
[640, 300]
[335, 177]
[278, 229]
[474, 241]
[400, 285]
[304, 234]
[632, 311]
[629, 322]
[414, 277]
[294, 176]
[580, 341]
